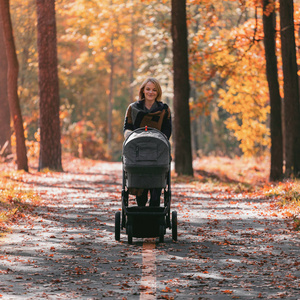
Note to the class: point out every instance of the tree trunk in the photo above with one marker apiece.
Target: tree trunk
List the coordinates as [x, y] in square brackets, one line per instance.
[132, 54]
[5, 140]
[194, 141]
[269, 21]
[110, 98]
[12, 86]
[50, 146]
[183, 151]
[291, 89]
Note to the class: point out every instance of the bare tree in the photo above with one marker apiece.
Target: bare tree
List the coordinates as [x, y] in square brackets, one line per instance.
[291, 89]
[5, 136]
[183, 151]
[111, 94]
[50, 145]
[269, 21]
[12, 85]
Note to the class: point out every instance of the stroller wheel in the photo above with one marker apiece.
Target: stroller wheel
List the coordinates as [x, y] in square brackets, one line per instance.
[117, 225]
[168, 220]
[129, 233]
[174, 225]
[123, 222]
[161, 233]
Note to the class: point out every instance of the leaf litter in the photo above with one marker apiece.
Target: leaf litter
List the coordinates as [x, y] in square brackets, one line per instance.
[235, 240]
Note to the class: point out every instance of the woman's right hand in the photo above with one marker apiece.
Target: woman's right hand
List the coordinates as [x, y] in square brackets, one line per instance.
[127, 132]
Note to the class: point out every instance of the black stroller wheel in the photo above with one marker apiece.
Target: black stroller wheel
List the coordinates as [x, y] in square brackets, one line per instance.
[174, 225]
[161, 233]
[168, 219]
[117, 225]
[129, 233]
[123, 222]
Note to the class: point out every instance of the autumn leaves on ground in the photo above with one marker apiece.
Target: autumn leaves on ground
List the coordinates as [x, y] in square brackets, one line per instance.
[237, 235]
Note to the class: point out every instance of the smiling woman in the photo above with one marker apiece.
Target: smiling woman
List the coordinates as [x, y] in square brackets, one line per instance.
[149, 111]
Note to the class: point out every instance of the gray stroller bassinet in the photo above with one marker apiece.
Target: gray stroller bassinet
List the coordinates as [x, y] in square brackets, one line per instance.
[146, 159]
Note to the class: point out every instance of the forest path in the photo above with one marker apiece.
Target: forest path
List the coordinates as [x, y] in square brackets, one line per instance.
[230, 246]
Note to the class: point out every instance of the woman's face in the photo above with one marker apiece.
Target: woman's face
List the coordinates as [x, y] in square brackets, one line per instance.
[150, 91]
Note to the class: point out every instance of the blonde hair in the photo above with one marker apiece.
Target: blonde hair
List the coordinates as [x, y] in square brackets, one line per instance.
[157, 86]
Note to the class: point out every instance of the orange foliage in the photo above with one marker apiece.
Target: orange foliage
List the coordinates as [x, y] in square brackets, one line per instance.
[231, 66]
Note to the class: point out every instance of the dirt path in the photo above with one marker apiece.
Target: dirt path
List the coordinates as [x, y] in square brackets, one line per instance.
[229, 246]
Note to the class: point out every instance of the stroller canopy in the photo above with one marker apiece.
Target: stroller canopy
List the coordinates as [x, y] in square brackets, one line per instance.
[146, 148]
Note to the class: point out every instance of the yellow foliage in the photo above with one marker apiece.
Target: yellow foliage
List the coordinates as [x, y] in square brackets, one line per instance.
[248, 102]
[14, 199]
[235, 56]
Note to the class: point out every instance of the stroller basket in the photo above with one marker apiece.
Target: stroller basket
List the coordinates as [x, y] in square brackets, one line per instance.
[146, 159]
[146, 220]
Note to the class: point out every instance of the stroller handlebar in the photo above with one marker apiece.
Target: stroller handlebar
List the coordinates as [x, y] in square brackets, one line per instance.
[146, 128]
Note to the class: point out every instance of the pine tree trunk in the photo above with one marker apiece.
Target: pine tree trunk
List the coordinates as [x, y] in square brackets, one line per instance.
[182, 131]
[291, 89]
[269, 21]
[12, 86]
[50, 146]
[110, 99]
[132, 54]
[5, 136]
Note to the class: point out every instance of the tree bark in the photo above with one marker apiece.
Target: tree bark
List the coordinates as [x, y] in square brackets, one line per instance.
[50, 145]
[132, 54]
[5, 136]
[183, 151]
[110, 97]
[269, 22]
[12, 86]
[291, 89]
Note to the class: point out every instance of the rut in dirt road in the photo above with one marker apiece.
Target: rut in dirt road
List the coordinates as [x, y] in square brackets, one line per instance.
[230, 246]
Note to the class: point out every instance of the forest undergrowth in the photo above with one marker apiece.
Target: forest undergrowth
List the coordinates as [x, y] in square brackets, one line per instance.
[248, 177]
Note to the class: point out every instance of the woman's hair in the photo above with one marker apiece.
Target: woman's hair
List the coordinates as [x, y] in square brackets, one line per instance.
[157, 86]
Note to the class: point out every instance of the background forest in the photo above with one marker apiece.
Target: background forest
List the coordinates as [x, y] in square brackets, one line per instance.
[105, 50]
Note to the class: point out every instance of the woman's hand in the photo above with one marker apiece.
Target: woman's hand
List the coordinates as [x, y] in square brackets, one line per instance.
[127, 132]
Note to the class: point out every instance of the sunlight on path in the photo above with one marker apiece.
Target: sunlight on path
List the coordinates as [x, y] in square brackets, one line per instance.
[230, 245]
[148, 281]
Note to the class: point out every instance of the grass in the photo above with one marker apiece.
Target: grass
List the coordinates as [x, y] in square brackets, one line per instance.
[237, 175]
[288, 192]
[15, 202]
[288, 195]
[245, 175]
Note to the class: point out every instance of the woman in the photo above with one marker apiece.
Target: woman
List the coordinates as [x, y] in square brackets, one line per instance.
[149, 111]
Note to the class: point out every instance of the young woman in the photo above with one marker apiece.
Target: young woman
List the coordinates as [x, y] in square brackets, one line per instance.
[149, 111]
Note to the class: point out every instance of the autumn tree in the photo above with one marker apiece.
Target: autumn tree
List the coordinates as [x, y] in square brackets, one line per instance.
[98, 74]
[291, 89]
[12, 86]
[155, 45]
[50, 145]
[183, 152]
[106, 48]
[5, 143]
[133, 25]
[112, 66]
[269, 23]
[228, 71]
[24, 24]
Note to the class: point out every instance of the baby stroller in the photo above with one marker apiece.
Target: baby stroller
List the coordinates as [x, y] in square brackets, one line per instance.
[146, 162]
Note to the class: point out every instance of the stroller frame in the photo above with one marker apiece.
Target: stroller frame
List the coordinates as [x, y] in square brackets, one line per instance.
[146, 221]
